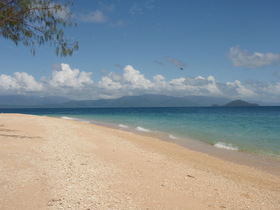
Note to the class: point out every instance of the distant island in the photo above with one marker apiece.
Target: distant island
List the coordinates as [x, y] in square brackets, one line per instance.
[148, 100]
[237, 103]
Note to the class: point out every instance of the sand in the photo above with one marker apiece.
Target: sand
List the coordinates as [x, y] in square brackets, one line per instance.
[52, 163]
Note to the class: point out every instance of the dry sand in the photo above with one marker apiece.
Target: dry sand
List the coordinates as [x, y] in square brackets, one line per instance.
[51, 163]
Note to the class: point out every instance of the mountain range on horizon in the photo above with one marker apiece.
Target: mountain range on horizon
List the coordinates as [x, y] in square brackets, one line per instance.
[148, 100]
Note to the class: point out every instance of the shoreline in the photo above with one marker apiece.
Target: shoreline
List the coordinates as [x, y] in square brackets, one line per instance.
[270, 164]
[51, 163]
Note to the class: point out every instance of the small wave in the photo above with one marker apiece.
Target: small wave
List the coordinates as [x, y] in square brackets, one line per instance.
[142, 129]
[172, 137]
[123, 126]
[67, 118]
[222, 145]
[71, 118]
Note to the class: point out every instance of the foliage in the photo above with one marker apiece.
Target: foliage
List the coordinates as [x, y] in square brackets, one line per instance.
[36, 22]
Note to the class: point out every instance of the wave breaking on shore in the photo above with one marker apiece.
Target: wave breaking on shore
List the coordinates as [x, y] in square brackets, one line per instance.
[223, 145]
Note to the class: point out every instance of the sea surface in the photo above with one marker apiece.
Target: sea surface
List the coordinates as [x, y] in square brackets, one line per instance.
[254, 130]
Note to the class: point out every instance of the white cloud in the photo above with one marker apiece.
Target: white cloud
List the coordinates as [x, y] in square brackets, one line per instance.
[64, 76]
[243, 91]
[158, 78]
[19, 83]
[212, 86]
[135, 79]
[76, 84]
[242, 58]
[132, 82]
[113, 81]
[93, 17]
[203, 86]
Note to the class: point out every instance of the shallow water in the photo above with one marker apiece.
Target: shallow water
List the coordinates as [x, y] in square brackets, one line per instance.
[247, 129]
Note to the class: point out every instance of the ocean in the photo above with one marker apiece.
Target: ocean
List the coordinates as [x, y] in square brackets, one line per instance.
[254, 130]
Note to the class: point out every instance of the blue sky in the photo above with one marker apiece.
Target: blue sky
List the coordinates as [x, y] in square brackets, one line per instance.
[227, 48]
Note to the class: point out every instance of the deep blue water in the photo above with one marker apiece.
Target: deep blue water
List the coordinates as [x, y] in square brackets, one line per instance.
[249, 129]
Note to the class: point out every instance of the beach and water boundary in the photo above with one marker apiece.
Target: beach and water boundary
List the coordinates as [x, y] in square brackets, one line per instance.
[245, 135]
[228, 152]
[221, 150]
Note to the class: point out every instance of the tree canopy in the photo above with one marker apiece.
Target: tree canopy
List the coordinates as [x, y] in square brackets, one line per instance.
[36, 22]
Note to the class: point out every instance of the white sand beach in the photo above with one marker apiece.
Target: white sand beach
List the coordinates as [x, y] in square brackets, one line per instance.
[52, 163]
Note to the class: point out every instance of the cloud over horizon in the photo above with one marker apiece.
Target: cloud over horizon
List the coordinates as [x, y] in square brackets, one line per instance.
[19, 82]
[76, 84]
[64, 76]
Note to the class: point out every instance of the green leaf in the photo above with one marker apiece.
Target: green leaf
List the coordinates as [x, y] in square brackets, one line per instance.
[36, 22]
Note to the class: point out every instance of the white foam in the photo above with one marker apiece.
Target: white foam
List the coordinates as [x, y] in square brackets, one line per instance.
[67, 118]
[222, 145]
[143, 129]
[172, 137]
[71, 118]
[123, 126]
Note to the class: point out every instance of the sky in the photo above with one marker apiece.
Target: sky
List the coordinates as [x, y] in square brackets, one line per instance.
[221, 48]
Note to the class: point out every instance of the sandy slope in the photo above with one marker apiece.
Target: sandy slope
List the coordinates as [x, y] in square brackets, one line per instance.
[49, 163]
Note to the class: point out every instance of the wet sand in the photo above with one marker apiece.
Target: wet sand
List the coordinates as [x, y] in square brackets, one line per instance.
[51, 163]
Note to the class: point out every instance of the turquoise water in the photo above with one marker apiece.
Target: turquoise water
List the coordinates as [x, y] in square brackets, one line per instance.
[248, 129]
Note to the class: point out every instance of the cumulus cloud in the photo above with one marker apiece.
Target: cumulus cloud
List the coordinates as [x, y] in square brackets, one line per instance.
[242, 58]
[203, 86]
[111, 82]
[19, 83]
[77, 84]
[132, 82]
[158, 78]
[93, 17]
[64, 76]
[272, 89]
[135, 79]
[242, 90]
